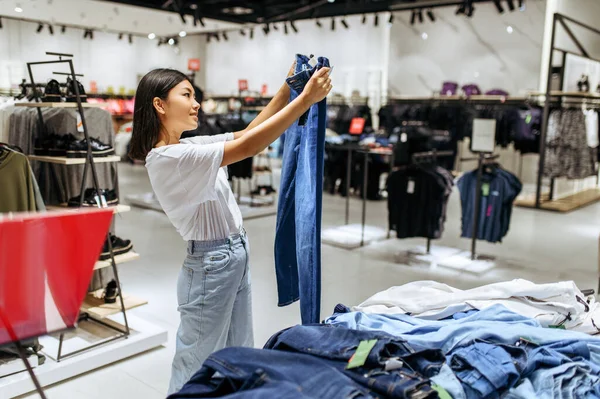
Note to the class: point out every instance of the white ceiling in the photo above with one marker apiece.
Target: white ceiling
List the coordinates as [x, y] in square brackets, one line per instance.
[104, 15]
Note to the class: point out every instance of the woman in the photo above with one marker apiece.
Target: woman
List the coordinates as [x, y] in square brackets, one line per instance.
[187, 176]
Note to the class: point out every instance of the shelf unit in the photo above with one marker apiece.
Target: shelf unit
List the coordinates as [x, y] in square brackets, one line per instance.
[61, 105]
[94, 305]
[119, 259]
[73, 161]
[116, 208]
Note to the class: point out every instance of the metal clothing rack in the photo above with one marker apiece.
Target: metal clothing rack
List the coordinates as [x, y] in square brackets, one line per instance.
[88, 165]
[482, 159]
[552, 96]
[428, 156]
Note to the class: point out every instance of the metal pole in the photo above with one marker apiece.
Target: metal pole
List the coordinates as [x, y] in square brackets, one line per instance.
[546, 116]
[364, 197]
[348, 176]
[477, 206]
[23, 357]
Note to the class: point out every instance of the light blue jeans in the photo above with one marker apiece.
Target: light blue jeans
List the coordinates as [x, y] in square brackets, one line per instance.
[213, 294]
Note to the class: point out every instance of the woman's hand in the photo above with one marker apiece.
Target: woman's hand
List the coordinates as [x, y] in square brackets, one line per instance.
[292, 70]
[318, 86]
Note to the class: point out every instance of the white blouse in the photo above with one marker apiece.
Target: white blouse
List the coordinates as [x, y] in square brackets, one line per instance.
[193, 189]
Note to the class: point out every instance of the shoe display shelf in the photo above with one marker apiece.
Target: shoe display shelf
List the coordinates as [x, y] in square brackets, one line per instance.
[95, 314]
[61, 105]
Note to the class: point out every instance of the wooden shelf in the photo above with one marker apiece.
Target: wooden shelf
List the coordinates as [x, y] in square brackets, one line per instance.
[94, 305]
[565, 204]
[73, 161]
[64, 207]
[558, 93]
[61, 105]
[123, 258]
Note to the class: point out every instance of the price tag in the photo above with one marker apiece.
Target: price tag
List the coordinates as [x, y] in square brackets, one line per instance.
[362, 352]
[403, 138]
[485, 189]
[410, 188]
[79, 123]
[484, 135]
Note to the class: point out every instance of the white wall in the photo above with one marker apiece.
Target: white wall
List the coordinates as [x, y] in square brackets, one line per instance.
[357, 54]
[467, 50]
[107, 60]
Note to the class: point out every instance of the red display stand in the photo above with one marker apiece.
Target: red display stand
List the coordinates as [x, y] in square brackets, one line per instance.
[46, 264]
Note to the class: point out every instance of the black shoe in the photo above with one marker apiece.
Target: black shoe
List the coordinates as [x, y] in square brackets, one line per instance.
[41, 145]
[52, 92]
[59, 145]
[119, 247]
[71, 96]
[78, 149]
[89, 198]
[111, 292]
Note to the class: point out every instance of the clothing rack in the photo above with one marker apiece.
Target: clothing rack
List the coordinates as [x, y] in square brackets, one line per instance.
[89, 164]
[482, 160]
[552, 97]
[462, 100]
[419, 157]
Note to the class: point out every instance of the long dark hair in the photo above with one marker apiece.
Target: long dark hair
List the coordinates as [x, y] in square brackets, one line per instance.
[146, 124]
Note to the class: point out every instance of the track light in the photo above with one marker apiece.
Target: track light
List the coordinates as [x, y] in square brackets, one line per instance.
[242, 32]
[364, 19]
[252, 33]
[345, 24]
[498, 6]
[391, 20]
[413, 17]
[130, 38]
[120, 36]
[318, 23]
[151, 36]
[217, 37]
[470, 9]
[51, 29]
[420, 15]
[63, 29]
[285, 28]
[293, 27]
[376, 20]
[332, 24]
[182, 33]
[511, 5]
[461, 9]
[91, 34]
[275, 27]
[266, 29]
[430, 15]
[39, 28]
[1, 23]
[225, 36]
[208, 36]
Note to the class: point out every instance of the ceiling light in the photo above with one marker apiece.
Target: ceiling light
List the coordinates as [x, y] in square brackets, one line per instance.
[364, 19]
[511, 5]
[217, 37]
[332, 24]
[420, 15]
[237, 10]
[225, 36]
[91, 34]
[18, 8]
[293, 27]
[376, 20]
[39, 28]
[413, 17]
[275, 27]
[120, 36]
[509, 29]
[208, 35]
[391, 20]
[461, 9]
[63, 29]
[498, 6]
[285, 28]
[51, 29]
[171, 41]
[130, 38]
[331, 1]
[251, 33]
[318, 23]
[430, 15]
[242, 32]
[345, 24]
[266, 29]
[424, 36]
[151, 36]
[182, 33]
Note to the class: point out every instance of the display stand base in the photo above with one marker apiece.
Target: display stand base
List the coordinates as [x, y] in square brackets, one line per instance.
[350, 236]
[463, 262]
[17, 365]
[418, 256]
[144, 336]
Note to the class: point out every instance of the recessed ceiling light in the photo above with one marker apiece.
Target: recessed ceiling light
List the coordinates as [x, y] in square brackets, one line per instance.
[182, 33]
[18, 9]
[509, 29]
[171, 41]
[424, 35]
[151, 36]
[237, 10]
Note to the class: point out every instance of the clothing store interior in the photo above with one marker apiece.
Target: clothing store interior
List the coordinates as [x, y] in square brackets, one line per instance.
[455, 156]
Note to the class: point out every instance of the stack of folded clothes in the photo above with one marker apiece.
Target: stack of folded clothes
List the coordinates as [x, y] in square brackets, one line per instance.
[512, 340]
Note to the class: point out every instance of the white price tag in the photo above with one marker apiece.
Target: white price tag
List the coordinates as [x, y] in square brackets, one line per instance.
[403, 138]
[411, 187]
[484, 135]
[79, 123]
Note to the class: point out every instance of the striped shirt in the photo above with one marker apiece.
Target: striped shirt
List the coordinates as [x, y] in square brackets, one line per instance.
[193, 189]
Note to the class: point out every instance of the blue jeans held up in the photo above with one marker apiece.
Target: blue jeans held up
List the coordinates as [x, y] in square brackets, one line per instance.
[213, 294]
[298, 232]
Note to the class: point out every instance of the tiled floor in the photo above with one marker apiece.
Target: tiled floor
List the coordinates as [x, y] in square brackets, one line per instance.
[542, 246]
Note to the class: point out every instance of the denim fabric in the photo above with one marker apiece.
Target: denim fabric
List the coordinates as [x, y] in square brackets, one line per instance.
[255, 373]
[213, 294]
[486, 369]
[447, 380]
[298, 232]
[337, 345]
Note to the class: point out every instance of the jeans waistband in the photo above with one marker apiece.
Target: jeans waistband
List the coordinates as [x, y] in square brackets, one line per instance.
[194, 245]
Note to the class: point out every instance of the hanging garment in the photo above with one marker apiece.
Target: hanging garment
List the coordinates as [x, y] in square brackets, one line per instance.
[298, 232]
[18, 193]
[417, 200]
[499, 189]
[567, 151]
[591, 127]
